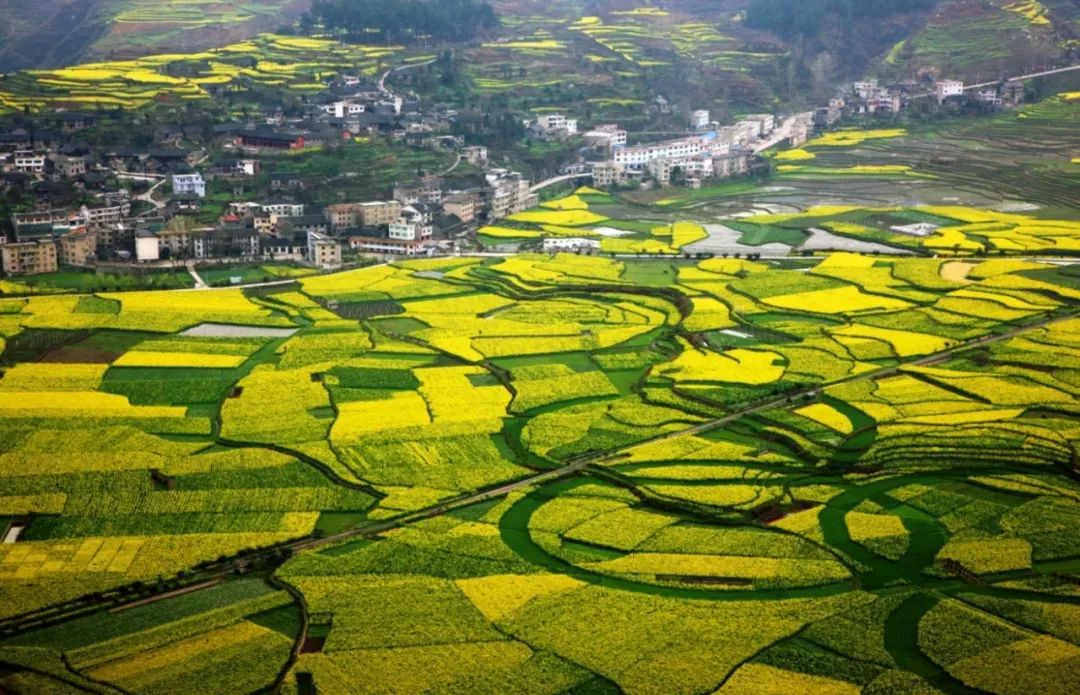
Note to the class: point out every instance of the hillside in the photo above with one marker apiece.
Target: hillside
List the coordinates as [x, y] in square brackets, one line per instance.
[55, 33]
[728, 54]
[984, 39]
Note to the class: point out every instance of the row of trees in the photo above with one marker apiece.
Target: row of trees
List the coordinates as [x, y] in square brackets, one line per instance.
[402, 21]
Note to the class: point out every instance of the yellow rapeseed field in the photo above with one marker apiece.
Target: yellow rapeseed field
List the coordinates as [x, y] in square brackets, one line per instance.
[839, 300]
[500, 595]
[828, 416]
[149, 358]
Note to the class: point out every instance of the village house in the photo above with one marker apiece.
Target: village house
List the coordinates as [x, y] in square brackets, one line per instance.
[461, 205]
[28, 257]
[270, 139]
[946, 89]
[189, 183]
[323, 252]
[390, 247]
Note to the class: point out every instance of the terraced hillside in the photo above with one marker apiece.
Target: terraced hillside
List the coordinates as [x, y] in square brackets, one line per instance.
[57, 33]
[978, 41]
[514, 474]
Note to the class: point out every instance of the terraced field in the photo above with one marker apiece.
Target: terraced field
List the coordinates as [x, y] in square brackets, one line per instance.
[849, 473]
[978, 41]
[620, 55]
[57, 33]
[293, 64]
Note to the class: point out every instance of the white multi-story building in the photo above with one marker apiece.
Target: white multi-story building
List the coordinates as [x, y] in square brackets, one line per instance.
[99, 216]
[865, 90]
[343, 109]
[699, 120]
[147, 246]
[189, 183]
[949, 88]
[638, 156]
[607, 137]
[557, 124]
[413, 225]
[475, 155]
[282, 209]
[389, 247]
[29, 162]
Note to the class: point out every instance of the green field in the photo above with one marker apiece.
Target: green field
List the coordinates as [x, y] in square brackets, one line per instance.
[517, 474]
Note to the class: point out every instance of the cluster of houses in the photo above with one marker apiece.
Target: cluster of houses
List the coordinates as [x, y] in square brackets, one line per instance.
[868, 97]
[712, 152]
[417, 218]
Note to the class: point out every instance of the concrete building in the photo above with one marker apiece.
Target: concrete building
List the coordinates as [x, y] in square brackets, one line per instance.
[378, 213]
[189, 183]
[507, 193]
[413, 225]
[949, 88]
[556, 125]
[461, 205]
[76, 248]
[225, 242]
[176, 241]
[606, 137]
[390, 247]
[147, 246]
[28, 162]
[766, 123]
[865, 90]
[663, 170]
[69, 167]
[282, 209]
[732, 164]
[428, 190]
[699, 120]
[28, 257]
[29, 226]
[342, 216]
[102, 215]
[323, 252]
[638, 156]
[475, 155]
[606, 174]
[828, 115]
[343, 109]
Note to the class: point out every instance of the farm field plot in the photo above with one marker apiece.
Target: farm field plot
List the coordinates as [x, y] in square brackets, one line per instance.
[828, 473]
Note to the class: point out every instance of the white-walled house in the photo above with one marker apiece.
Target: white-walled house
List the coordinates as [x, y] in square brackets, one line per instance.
[189, 183]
